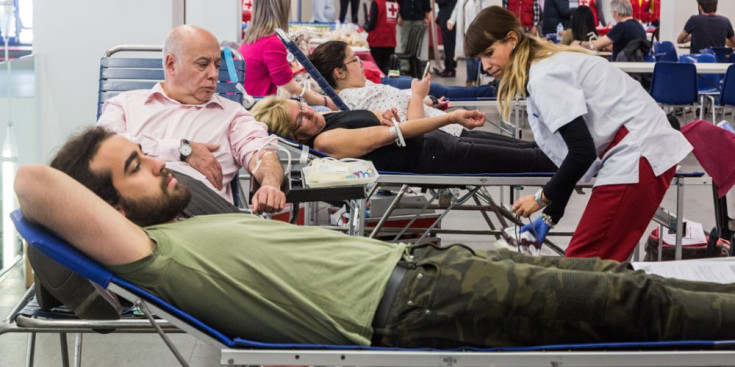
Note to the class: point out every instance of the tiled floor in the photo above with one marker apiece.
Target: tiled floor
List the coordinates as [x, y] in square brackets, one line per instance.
[148, 350]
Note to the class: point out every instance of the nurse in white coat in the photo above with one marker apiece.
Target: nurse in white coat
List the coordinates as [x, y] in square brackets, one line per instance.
[590, 118]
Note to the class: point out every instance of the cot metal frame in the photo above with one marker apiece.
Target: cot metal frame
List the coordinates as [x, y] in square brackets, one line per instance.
[482, 201]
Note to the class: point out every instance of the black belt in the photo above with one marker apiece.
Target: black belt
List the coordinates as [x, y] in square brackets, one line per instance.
[391, 288]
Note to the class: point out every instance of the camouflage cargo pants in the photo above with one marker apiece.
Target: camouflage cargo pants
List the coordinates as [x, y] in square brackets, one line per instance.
[459, 297]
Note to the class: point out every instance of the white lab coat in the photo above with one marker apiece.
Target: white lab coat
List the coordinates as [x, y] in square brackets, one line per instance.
[567, 85]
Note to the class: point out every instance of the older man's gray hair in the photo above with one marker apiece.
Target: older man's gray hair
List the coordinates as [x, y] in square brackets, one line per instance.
[622, 7]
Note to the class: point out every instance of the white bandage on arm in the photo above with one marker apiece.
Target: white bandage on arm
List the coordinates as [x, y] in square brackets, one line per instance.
[395, 130]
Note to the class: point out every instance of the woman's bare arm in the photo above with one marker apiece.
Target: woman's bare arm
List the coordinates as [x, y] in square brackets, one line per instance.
[355, 143]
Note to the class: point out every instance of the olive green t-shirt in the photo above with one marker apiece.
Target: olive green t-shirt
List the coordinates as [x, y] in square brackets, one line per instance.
[266, 280]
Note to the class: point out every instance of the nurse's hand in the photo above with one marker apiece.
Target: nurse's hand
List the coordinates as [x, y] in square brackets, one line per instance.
[525, 206]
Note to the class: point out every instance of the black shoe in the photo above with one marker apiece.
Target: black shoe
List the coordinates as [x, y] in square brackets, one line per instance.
[55, 283]
[448, 73]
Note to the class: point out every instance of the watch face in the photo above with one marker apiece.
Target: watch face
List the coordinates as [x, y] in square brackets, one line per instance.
[185, 150]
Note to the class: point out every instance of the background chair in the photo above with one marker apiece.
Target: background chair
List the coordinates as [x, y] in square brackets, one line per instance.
[122, 74]
[411, 52]
[674, 84]
[708, 85]
[721, 54]
[727, 93]
[665, 51]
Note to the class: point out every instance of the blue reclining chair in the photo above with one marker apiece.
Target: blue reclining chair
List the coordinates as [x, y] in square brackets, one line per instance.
[235, 351]
[122, 74]
[309, 67]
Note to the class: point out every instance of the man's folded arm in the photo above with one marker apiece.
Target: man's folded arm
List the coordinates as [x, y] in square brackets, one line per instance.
[58, 202]
[113, 118]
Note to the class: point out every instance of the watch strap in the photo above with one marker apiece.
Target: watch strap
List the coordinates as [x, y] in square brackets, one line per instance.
[183, 157]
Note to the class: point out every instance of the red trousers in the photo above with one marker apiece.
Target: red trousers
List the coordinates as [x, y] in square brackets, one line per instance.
[617, 215]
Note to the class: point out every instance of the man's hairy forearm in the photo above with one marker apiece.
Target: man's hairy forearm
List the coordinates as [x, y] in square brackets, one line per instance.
[270, 171]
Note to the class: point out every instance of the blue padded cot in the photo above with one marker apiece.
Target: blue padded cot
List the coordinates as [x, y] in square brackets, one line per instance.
[236, 351]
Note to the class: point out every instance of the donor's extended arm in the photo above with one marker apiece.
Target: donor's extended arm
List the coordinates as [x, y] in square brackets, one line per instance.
[354, 143]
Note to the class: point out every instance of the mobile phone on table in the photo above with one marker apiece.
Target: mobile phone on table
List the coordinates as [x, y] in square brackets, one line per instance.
[426, 70]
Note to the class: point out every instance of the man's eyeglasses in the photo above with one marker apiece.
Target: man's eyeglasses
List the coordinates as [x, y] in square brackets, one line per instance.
[354, 59]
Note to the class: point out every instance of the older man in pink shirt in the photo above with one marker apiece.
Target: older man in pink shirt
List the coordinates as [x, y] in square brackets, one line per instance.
[198, 133]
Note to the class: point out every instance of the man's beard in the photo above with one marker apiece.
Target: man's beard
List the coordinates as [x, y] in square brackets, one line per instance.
[161, 209]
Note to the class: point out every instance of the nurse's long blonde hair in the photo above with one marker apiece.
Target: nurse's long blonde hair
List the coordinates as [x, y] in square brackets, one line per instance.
[495, 24]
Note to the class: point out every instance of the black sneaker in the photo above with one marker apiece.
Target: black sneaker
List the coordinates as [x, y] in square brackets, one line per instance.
[55, 283]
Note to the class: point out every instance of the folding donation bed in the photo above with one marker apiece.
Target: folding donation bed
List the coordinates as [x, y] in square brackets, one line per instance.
[235, 351]
[440, 185]
[462, 99]
[444, 196]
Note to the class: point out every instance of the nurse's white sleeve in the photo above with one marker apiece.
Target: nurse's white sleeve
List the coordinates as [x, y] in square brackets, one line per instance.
[557, 94]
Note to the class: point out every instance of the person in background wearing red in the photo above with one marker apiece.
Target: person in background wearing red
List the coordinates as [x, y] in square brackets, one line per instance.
[381, 28]
[647, 11]
[527, 11]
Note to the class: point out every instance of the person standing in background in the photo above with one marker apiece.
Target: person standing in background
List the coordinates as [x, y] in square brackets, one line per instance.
[528, 12]
[323, 10]
[413, 14]
[707, 29]
[449, 37]
[354, 7]
[464, 13]
[381, 29]
[555, 12]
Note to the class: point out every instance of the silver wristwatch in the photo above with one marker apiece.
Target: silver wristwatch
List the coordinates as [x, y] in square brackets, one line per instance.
[538, 197]
[184, 150]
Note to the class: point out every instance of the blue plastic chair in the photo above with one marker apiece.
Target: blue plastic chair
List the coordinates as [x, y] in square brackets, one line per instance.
[708, 85]
[722, 54]
[665, 51]
[727, 94]
[674, 84]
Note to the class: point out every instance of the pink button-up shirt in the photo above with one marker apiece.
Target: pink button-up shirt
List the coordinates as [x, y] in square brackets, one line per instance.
[158, 123]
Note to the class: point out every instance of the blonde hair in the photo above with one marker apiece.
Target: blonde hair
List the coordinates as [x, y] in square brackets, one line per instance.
[274, 112]
[267, 15]
[494, 24]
